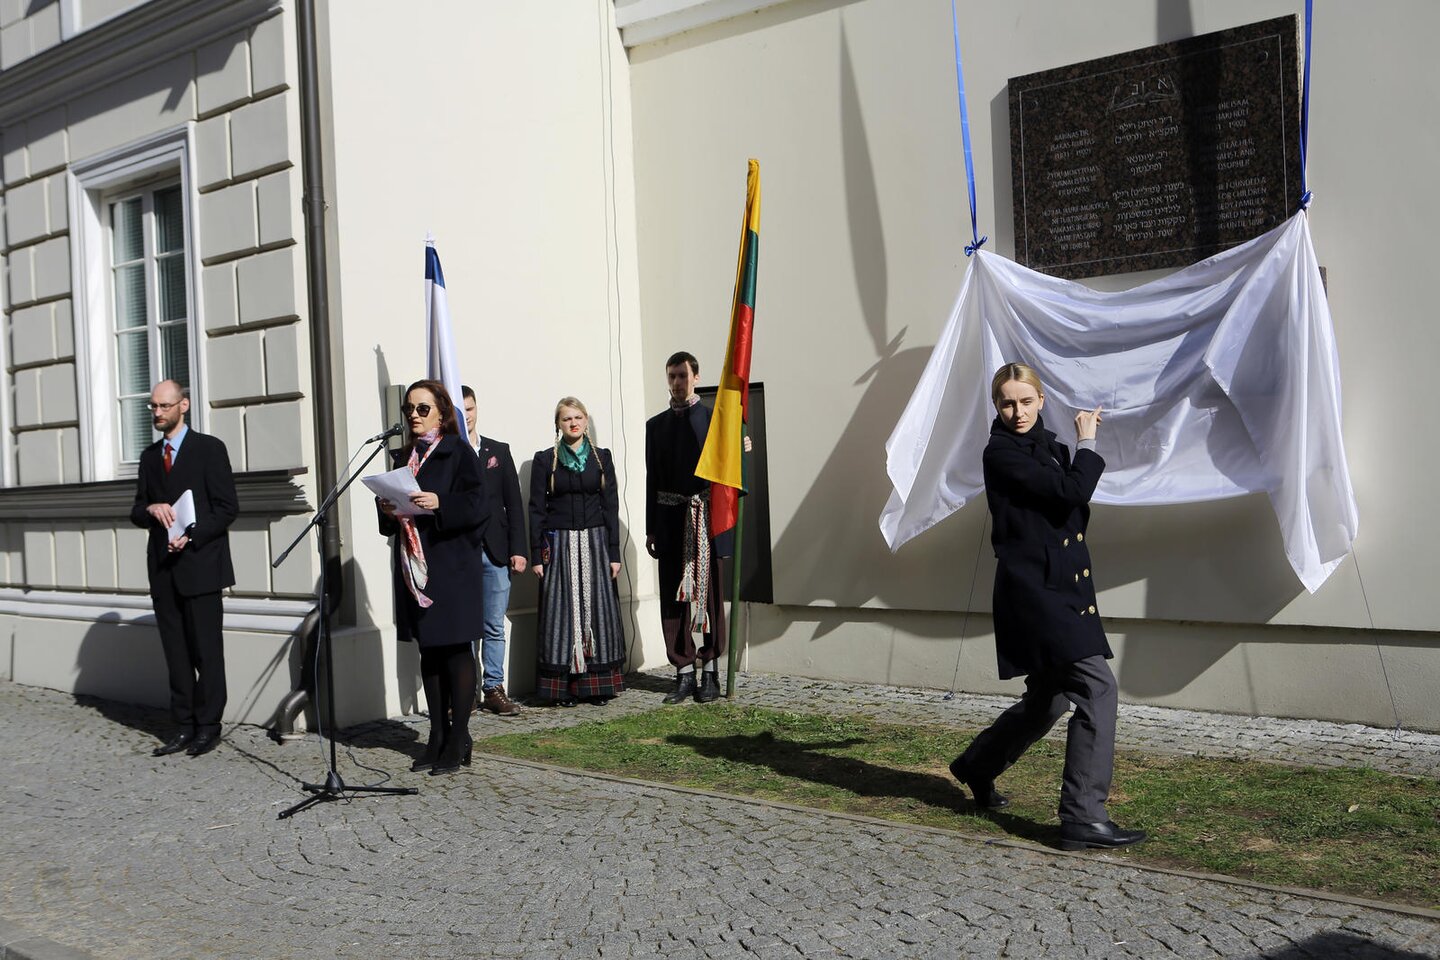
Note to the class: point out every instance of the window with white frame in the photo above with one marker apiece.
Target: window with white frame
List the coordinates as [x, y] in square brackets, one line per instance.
[149, 303]
[136, 317]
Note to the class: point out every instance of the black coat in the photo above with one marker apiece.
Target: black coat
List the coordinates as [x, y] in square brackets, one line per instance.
[202, 466]
[1045, 612]
[673, 443]
[580, 500]
[505, 533]
[452, 538]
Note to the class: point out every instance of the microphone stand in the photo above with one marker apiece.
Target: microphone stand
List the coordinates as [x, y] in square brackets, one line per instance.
[333, 788]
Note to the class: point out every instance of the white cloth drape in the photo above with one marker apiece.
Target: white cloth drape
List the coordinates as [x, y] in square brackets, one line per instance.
[1218, 380]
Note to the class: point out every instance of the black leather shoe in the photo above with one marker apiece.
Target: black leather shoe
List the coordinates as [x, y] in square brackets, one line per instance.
[986, 796]
[709, 689]
[174, 745]
[684, 688]
[203, 743]
[1097, 836]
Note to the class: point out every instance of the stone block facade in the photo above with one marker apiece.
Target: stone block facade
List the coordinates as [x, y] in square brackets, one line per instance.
[222, 98]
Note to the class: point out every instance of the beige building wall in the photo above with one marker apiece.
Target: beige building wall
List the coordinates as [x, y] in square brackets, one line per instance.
[581, 248]
[210, 89]
[503, 129]
[851, 109]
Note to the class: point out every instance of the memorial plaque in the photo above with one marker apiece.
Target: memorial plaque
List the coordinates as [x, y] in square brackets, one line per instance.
[1158, 157]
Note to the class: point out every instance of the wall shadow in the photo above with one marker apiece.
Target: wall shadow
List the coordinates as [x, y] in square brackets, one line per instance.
[1219, 561]
[735, 27]
[1174, 20]
[143, 718]
[831, 549]
[1338, 943]
[121, 666]
[1002, 221]
[804, 761]
[120, 671]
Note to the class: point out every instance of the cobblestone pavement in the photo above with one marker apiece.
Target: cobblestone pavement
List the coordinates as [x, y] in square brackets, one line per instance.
[108, 850]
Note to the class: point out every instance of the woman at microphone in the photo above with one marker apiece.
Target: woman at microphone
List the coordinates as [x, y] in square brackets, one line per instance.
[436, 567]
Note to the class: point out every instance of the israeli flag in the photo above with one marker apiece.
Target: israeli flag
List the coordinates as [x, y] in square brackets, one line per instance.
[441, 361]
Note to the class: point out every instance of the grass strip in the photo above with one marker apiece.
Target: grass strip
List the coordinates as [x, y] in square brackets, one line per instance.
[1350, 831]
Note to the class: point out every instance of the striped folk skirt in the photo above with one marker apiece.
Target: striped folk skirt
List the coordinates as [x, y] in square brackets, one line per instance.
[582, 641]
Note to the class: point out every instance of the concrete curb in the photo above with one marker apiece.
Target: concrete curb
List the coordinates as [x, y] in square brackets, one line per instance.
[1396, 908]
[17, 944]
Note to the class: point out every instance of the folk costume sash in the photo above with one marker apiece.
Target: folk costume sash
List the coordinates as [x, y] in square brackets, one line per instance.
[580, 568]
[695, 578]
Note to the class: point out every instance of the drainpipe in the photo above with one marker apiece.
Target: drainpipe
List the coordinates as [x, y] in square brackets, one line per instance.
[312, 159]
[298, 699]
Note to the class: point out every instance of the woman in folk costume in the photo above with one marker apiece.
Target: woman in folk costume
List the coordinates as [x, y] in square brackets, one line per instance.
[575, 546]
[437, 567]
[1047, 628]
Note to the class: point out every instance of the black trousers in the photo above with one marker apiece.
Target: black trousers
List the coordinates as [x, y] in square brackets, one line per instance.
[675, 614]
[191, 634]
[1089, 739]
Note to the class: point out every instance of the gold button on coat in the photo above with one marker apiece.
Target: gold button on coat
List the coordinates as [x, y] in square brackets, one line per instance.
[1087, 571]
[1079, 538]
[1092, 609]
[1065, 542]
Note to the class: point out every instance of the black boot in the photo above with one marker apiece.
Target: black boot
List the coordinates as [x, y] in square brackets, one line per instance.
[433, 747]
[684, 688]
[455, 755]
[437, 702]
[709, 687]
[459, 676]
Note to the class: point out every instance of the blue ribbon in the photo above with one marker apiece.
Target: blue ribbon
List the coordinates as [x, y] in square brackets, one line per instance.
[977, 240]
[1305, 195]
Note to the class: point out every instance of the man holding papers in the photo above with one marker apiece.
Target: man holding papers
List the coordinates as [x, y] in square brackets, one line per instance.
[185, 497]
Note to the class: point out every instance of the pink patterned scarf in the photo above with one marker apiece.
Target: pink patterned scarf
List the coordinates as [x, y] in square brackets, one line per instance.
[412, 559]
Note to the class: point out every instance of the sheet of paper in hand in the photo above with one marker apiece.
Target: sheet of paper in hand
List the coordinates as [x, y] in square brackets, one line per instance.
[396, 486]
[184, 515]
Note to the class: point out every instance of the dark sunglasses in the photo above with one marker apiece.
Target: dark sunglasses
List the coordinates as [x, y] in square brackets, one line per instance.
[421, 408]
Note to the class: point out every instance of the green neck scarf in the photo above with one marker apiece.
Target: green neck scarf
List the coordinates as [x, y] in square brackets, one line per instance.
[573, 458]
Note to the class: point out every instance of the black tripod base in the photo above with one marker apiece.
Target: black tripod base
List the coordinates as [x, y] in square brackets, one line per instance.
[334, 789]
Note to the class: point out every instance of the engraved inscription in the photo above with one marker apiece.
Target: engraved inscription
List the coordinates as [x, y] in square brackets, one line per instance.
[1158, 157]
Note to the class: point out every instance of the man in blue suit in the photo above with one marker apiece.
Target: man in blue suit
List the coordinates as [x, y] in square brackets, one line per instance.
[504, 552]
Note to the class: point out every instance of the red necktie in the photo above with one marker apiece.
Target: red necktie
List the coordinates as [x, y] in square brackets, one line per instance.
[168, 459]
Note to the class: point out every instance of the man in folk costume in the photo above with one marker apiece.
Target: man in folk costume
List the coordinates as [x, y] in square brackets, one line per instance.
[677, 533]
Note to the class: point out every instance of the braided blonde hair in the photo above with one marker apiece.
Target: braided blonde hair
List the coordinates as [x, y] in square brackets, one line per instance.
[574, 404]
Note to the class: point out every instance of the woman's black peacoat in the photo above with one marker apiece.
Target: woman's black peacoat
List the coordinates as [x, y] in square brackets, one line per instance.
[1045, 612]
[452, 538]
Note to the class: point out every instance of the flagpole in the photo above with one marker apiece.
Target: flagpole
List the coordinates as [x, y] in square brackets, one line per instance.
[733, 658]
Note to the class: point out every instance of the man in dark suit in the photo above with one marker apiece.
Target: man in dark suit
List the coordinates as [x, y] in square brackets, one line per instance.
[677, 533]
[188, 570]
[505, 551]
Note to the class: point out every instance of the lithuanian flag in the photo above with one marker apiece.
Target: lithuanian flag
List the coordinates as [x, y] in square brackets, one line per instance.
[721, 460]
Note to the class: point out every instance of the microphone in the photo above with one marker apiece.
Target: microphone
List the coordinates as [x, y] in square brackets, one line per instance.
[394, 431]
